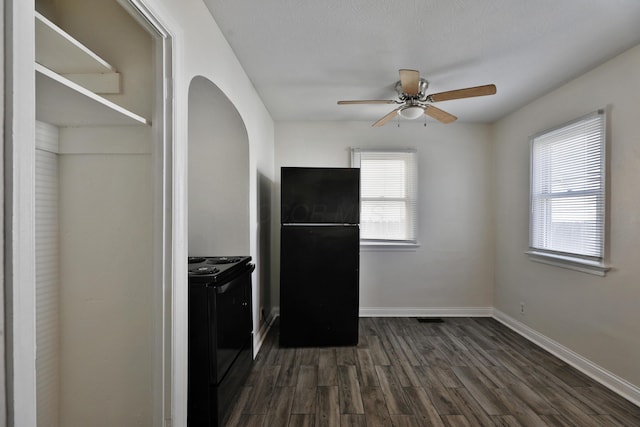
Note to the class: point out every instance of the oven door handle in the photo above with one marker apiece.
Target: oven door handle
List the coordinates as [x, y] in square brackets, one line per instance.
[224, 288]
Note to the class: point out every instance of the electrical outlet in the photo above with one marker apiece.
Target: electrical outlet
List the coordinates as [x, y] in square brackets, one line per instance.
[521, 308]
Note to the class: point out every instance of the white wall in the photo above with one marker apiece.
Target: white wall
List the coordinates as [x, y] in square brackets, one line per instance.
[200, 50]
[596, 317]
[452, 270]
[106, 315]
[218, 174]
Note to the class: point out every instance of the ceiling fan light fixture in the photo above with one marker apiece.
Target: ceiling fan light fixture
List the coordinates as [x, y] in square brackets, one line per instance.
[414, 102]
[411, 112]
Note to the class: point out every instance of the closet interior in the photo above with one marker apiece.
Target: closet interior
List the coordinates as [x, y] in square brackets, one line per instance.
[97, 346]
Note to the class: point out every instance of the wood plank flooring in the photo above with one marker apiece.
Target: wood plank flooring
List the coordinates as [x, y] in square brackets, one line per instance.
[462, 372]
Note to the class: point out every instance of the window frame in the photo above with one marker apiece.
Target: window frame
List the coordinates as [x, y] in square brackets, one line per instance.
[396, 244]
[575, 261]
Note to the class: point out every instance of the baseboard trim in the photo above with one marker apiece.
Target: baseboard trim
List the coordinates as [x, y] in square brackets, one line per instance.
[608, 379]
[426, 312]
[265, 327]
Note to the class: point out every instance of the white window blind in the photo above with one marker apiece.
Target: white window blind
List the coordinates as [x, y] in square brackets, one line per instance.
[568, 189]
[388, 195]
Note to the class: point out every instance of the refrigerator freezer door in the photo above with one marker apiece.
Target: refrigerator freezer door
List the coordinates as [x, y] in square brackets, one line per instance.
[319, 288]
[320, 195]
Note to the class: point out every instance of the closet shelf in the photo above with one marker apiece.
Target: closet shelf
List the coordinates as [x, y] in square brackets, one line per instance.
[58, 51]
[61, 102]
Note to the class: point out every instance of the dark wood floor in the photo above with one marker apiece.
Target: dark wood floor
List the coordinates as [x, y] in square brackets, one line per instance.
[462, 372]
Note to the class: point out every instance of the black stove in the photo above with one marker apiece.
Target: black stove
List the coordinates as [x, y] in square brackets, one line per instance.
[220, 336]
[216, 269]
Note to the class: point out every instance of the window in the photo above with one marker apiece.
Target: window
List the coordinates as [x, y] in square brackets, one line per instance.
[388, 193]
[567, 216]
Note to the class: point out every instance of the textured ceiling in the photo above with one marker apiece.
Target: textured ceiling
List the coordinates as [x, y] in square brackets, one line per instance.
[303, 56]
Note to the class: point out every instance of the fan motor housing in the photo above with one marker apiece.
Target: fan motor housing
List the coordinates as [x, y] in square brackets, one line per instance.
[423, 84]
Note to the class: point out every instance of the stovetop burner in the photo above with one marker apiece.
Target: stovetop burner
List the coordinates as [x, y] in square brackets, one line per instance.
[204, 270]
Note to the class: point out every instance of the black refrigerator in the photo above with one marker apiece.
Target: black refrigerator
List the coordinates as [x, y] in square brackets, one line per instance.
[319, 256]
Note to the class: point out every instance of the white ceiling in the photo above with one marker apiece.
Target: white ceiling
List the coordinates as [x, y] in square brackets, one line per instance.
[304, 55]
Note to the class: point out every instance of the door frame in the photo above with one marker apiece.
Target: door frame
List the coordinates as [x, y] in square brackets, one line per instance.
[19, 198]
[162, 164]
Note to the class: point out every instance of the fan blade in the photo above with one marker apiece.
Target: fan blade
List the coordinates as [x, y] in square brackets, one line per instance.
[368, 101]
[409, 80]
[386, 118]
[440, 115]
[463, 93]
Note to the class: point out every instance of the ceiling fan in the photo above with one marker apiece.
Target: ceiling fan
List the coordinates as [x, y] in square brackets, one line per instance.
[414, 102]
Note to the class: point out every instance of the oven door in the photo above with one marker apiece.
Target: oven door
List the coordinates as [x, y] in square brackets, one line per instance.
[230, 310]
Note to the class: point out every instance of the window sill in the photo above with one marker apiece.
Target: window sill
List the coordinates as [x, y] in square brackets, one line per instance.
[388, 246]
[571, 263]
